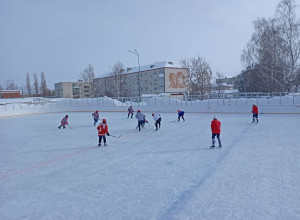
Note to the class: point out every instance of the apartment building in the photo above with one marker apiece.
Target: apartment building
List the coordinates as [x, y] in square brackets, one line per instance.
[74, 90]
[161, 77]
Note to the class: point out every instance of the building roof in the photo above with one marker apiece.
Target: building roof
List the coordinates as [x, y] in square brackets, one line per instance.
[153, 66]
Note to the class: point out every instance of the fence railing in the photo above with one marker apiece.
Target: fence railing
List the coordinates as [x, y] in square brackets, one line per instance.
[237, 99]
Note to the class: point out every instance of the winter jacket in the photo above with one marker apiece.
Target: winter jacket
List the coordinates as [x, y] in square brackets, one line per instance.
[139, 116]
[181, 113]
[130, 110]
[255, 109]
[102, 129]
[95, 115]
[215, 126]
[64, 121]
[156, 116]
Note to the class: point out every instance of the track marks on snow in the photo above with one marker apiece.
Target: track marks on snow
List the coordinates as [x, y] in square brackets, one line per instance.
[46, 162]
[186, 195]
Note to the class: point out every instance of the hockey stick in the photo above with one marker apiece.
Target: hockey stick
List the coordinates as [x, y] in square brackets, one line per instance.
[115, 136]
[70, 127]
[150, 125]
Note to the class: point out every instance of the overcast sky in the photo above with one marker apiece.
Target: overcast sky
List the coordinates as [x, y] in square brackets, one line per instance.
[61, 37]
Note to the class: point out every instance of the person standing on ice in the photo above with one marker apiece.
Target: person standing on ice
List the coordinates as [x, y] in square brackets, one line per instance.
[156, 117]
[96, 117]
[255, 113]
[130, 112]
[216, 131]
[102, 131]
[140, 117]
[180, 115]
[64, 122]
[144, 121]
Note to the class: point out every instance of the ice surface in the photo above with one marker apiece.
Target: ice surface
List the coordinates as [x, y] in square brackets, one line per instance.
[47, 173]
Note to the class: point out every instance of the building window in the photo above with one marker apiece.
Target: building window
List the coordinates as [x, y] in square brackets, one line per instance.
[155, 88]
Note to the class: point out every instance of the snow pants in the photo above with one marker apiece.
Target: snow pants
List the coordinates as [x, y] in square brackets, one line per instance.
[213, 139]
[104, 139]
[157, 123]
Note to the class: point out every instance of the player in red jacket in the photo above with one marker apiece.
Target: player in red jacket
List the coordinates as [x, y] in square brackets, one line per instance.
[216, 131]
[102, 131]
[255, 113]
[64, 122]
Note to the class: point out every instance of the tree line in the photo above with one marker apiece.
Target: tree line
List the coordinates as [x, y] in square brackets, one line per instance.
[35, 89]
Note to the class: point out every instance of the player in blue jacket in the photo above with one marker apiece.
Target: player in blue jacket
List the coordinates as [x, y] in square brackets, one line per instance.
[96, 117]
[180, 115]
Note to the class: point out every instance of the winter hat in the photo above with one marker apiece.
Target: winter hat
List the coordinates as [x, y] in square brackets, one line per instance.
[67, 116]
[215, 117]
[178, 110]
[139, 111]
[152, 114]
[104, 120]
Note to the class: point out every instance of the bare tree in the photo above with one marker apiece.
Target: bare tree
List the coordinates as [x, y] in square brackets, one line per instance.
[219, 85]
[1, 88]
[11, 85]
[44, 89]
[36, 83]
[28, 85]
[289, 29]
[88, 74]
[200, 75]
[118, 79]
[273, 51]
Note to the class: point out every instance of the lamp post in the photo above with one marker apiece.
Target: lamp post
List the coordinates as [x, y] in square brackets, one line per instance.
[139, 83]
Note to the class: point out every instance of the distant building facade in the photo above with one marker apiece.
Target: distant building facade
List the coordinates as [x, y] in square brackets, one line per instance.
[74, 90]
[162, 77]
[10, 94]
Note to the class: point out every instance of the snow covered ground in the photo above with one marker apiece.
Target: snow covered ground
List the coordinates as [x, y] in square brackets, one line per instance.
[47, 173]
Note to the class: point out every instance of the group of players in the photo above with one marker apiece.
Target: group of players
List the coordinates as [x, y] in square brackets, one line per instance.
[103, 128]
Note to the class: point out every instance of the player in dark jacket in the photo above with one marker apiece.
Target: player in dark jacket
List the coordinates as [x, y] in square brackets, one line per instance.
[180, 115]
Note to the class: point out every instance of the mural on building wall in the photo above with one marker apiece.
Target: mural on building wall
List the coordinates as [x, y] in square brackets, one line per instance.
[175, 80]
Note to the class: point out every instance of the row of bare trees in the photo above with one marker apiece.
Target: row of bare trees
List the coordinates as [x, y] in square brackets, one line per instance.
[37, 89]
[272, 54]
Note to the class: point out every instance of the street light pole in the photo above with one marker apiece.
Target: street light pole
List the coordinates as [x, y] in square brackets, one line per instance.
[139, 83]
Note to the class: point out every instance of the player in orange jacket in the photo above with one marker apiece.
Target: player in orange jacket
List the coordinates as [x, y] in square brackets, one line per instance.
[255, 113]
[102, 131]
[216, 131]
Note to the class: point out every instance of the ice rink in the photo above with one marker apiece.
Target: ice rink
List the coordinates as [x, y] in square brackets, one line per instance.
[47, 173]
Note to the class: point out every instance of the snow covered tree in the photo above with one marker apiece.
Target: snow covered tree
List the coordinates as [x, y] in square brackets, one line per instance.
[200, 75]
[28, 85]
[44, 89]
[272, 54]
[118, 79]
[36, 83]
[88, 74]
[11, 85]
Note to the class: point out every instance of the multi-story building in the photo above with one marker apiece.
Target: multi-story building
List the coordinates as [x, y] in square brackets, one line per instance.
[78, 89]
[161, 77]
